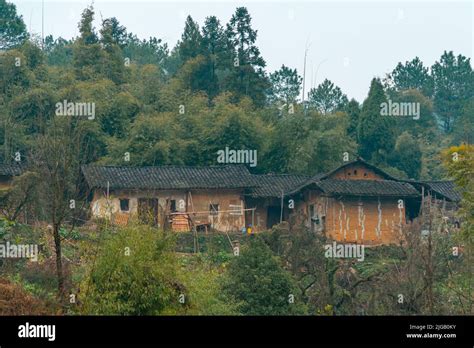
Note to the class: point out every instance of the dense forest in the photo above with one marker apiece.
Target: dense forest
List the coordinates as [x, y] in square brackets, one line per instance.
[181, 105]
[156, 105]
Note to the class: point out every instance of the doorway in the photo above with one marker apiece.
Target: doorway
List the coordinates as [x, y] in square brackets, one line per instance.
[148, 211]
[273, 215]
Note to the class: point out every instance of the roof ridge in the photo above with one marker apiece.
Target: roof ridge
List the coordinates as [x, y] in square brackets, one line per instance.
[447, 180]
[282, 174]
[163, 166]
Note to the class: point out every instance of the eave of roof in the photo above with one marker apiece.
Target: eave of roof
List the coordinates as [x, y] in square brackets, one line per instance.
[274, 185]
[10, 169]
[373, 188]
[168, 177]
[445, 188]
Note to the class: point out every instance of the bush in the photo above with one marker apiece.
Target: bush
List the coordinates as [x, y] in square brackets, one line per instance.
[259, 284]
[135, 273]
[14, 300]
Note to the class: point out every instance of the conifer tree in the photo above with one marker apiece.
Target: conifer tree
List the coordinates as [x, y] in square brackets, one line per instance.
[375, 132]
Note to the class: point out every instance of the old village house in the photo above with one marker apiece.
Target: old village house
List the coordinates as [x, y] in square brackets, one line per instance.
[356, 202]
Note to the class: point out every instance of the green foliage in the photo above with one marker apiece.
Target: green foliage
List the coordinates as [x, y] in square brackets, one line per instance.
[247, 77]
[286, 85]
[204, 290]
[327, 98]
[216, 73]
[58, 51]
[375, 132]
[12, 28]
[140, 280]
[454, 84]
[411, 75]
[257, 280]
[407, 155]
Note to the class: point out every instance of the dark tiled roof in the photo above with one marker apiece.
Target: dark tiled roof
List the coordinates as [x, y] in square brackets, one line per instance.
[168, 177]
[367, 188]
[359, 161]
[344, 187]
[10, 169]
[272, 185]
[446, 189]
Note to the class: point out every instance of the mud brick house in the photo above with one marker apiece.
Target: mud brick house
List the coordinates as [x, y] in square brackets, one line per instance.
[439, 195]
[204, 196]
[266, 198]
[356, 202]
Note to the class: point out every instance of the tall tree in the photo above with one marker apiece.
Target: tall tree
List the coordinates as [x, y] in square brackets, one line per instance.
[112, 65]
[117, 32]
[247, 76]
[56, 157]
[191, 41]
[353, 112]
[87, 51]
[285, 85]
[58, 51]
[327, 98]
[411, 75]
[454, 84]
[151, 51]
[215, 51]
[12, 28]
[463, 130]
[375, 132]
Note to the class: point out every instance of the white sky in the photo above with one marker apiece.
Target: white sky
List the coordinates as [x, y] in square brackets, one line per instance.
[350, 41]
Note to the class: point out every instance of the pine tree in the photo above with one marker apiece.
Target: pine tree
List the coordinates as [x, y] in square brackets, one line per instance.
[353, 112]
[285, 85]
[454, 85]
[216, 54]
[411, 75]
[191, 41]
[375, 132]
[247, 77]
[327, 98]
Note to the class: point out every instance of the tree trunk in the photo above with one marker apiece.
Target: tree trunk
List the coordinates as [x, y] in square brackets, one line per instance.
[59, 265]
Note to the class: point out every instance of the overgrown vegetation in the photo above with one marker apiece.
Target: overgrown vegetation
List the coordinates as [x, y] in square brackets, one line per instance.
[182, 105]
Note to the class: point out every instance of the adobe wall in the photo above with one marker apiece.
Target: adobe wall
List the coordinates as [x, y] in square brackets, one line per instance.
[369, 221]
[230, 218]
[356, 172]
[195, 200]
[261, 212]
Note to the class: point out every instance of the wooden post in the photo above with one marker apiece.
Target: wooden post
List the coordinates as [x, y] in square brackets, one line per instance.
[281, 210]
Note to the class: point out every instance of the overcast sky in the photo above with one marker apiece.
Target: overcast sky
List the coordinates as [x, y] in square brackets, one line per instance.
[349, 42]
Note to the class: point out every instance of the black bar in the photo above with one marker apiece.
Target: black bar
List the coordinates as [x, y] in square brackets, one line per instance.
[243, 330]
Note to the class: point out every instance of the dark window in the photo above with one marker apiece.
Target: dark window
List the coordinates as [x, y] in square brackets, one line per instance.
[355, 172]
[214, 209]
[124, 204]
[173, 205]
[365, 174]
